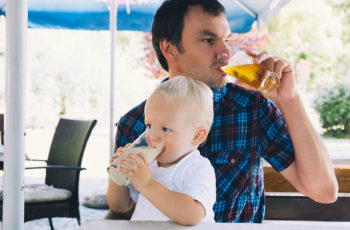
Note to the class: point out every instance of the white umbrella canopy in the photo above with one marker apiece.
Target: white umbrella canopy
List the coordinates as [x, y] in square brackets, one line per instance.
[88, 15]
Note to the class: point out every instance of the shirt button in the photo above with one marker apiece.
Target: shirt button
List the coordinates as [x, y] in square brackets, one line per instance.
[233, 161]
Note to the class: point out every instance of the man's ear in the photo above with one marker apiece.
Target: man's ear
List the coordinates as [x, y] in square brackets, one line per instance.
[201, 135]
[169, 50]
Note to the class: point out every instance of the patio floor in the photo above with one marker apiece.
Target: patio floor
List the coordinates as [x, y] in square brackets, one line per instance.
[88, 186]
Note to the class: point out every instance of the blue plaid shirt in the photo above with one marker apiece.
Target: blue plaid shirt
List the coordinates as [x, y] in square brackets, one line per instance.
[246, 128]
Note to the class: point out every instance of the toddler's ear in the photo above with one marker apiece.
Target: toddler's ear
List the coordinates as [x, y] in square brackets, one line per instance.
[201, 135]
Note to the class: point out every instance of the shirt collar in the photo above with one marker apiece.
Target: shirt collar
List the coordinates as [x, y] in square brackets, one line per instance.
[218, 93]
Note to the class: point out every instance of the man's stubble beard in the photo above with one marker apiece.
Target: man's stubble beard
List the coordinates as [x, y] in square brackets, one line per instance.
[206, 78]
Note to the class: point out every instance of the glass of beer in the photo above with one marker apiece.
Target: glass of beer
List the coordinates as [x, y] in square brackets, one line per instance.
[241, 67]
[138, 146]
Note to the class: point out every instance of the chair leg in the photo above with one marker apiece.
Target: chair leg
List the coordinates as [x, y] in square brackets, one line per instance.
[78, 219]
[51, 224]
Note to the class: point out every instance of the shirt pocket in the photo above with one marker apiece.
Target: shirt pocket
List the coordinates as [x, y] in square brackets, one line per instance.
[232, 170]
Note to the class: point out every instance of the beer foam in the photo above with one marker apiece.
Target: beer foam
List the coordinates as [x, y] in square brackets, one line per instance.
[240, 58]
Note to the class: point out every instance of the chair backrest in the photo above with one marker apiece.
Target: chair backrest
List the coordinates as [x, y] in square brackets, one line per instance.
[2, 128]
[67, 148]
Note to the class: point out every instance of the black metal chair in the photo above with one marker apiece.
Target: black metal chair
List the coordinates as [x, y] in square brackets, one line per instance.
[62, 171]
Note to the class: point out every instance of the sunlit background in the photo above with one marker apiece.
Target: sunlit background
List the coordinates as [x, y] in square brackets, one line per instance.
[68, 75]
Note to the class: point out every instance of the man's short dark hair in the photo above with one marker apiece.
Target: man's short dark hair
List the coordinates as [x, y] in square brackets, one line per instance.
[168, 23]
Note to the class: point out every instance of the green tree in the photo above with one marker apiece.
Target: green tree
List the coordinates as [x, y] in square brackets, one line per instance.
[342, 10]
[334, 108]
[309, 30]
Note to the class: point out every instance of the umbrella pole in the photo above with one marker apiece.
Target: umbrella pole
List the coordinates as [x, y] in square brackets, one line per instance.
[113, 28]
[112, 5]
[13, 197]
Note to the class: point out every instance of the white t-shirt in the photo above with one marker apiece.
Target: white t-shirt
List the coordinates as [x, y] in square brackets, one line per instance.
[193, 175]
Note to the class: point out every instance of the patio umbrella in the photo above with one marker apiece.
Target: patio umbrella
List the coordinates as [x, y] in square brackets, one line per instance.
[88, 15]
[134, 15]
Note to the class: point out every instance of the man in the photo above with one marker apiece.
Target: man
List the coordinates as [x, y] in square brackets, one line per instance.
[190, 38]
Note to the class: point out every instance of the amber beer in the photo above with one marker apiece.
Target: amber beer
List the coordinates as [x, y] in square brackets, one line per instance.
[254, 75]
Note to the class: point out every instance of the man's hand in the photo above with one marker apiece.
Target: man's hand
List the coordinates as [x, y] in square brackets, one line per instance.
[136, 170]
[284, 69]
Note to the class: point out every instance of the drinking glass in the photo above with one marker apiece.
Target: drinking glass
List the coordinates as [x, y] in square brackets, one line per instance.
[138, 146]
[241, 67]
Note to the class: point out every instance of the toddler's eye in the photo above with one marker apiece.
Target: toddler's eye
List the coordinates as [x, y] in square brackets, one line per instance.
[165, 129]
[148, 126]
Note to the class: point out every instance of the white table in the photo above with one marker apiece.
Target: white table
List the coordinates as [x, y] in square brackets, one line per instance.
[267, 225]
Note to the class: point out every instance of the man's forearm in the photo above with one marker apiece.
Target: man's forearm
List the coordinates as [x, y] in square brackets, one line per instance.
[313, 167]
[118, 198]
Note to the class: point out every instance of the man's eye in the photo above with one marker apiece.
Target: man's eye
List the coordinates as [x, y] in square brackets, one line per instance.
[209, 41]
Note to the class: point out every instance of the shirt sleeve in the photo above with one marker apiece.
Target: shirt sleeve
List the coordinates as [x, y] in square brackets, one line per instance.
[276, 144]
[199, 183]
[130, 126]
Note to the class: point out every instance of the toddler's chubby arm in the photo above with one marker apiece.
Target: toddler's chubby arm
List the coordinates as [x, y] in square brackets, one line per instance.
[118, 197]
[177, 206]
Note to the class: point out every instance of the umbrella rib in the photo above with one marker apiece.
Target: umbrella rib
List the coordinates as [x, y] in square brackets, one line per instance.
[249, 11]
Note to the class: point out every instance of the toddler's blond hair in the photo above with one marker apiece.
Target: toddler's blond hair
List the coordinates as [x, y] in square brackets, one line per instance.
[192, 91]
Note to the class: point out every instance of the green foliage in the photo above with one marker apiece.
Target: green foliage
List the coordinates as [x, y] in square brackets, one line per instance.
[342, 10]
[314, 31]
[334, 108]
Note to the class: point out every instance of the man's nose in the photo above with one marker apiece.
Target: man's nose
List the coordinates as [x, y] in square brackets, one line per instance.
[226, 53]
[223, 56]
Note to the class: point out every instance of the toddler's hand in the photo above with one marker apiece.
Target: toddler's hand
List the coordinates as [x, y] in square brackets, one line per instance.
[137, 170]
[118, 153]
